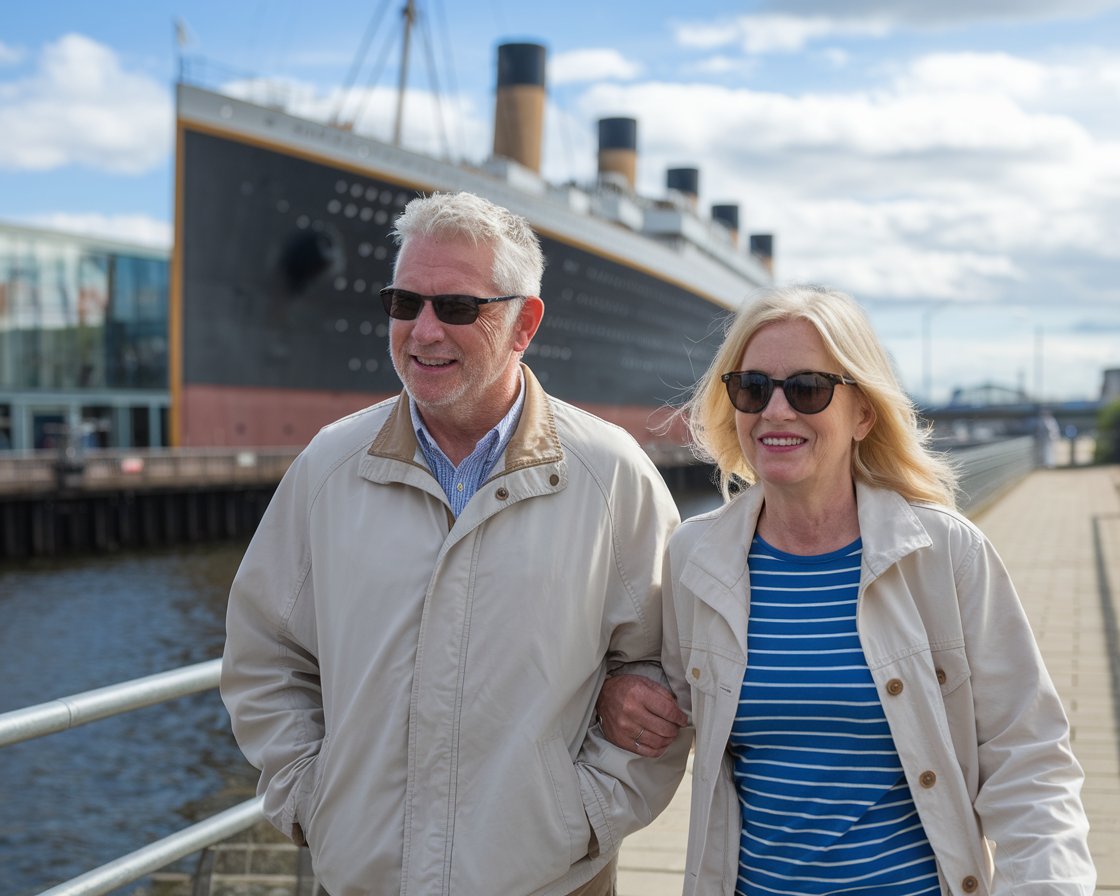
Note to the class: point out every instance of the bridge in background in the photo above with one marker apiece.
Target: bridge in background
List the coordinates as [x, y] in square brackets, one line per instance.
[990, 411]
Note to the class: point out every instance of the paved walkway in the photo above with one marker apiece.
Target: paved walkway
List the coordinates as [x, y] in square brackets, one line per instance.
[1058, 531]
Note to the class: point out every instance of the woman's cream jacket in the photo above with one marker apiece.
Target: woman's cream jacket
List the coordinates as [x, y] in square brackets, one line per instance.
[979, 727]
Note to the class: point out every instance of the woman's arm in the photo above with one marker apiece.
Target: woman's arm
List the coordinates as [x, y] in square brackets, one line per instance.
[1029, 797]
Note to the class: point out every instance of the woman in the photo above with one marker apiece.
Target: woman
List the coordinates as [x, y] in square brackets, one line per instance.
[871, 712]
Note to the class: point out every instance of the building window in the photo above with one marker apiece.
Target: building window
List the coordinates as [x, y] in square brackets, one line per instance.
[97, 426]
[136, 340]
[5, 427]
[141, 431]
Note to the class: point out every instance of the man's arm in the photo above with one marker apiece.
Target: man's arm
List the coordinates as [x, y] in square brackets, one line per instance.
[622, 791]
[270, 672]
[1029, 796]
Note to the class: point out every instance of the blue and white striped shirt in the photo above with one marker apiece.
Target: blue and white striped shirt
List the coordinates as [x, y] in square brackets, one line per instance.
[825, 805]
[459, 483]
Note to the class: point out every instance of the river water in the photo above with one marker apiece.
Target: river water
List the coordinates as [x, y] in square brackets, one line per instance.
[75, 800]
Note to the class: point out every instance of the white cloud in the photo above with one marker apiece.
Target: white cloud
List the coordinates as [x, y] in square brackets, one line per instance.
[591, 65]
[10, 55]
[721, 67]
[968, 133]
[946, 13]
[991, 73]
[886, 252]
[81, 108]
[139, 229]
[1083, 84]
[786, 26]
[961, 179]
[836, 57]
[570, 152]
[774, 33]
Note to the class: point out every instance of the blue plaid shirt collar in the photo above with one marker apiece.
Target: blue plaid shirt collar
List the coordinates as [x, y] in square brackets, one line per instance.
[460, 483]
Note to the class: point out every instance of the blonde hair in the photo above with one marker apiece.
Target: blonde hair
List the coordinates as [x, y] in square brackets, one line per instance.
[895, 454]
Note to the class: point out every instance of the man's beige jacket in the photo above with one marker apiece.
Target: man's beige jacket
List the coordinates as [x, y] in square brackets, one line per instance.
[417, 690]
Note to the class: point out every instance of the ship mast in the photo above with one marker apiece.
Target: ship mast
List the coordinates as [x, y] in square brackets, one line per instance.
[409, 14]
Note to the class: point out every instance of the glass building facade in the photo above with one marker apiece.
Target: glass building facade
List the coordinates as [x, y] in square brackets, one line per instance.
[83, 341]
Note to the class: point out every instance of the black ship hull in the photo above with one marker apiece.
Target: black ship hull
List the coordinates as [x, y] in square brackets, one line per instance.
[281, 251]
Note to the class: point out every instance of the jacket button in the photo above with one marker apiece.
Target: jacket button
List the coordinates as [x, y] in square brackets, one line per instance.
[941, 676]
[970, 884]
[502, 493]
[927, 779]
[894, 687]
[553, 479]
[696, 673]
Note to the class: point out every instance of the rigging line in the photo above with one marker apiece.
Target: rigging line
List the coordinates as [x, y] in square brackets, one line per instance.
[284, 23]
[449, 54]
[372, 27]
[254, 48]
[433, 78]
[375, 76]
[563, 125]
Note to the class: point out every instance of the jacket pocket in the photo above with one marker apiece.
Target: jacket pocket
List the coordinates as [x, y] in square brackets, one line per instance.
[951, 667]
[310, 790]
[715, 693]
[954, 678]
[709, 674]
[568, 800]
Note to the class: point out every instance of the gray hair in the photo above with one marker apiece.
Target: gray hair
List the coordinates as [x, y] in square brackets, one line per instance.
[518, 259]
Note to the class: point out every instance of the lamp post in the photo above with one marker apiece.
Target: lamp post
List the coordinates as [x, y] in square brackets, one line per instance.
[1038, 380]
[927, 350]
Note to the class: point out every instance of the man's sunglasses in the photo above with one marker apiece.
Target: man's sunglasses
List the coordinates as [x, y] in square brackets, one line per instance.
[809, 392]
[401, 304]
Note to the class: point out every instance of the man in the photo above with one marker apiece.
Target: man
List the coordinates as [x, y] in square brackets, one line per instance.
[422, 623]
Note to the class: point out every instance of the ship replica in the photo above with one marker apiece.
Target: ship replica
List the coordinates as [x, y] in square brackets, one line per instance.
[282, 243]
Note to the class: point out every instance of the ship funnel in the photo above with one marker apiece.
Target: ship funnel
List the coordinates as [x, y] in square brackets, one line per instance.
[762, 247]
[618, 148]
[728, 216]
[519, 110]
[685, 181]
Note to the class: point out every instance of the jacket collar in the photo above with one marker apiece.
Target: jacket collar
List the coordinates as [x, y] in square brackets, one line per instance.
[889, 527]
[716, 568]
[534, 441]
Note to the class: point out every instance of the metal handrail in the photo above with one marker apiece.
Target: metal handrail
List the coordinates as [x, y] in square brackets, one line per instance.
[135, 865]
[89, 706]
[78, 709]
[986, 471]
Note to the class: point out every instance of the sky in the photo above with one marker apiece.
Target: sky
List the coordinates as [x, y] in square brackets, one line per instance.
[955, 166]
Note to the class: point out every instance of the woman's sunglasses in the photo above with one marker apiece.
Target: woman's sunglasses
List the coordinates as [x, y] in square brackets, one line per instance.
[400, 304]
[807, 393]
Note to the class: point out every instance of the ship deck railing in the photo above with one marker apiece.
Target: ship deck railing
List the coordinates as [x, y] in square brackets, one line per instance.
[983, 466]
[99, 469]
[69, 712]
